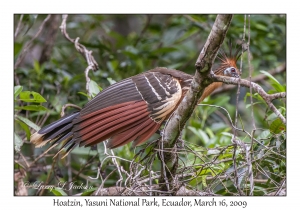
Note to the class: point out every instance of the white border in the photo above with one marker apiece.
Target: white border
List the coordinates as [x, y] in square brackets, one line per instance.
[153, 6]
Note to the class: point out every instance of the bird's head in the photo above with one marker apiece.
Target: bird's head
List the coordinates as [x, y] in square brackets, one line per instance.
[227, 67]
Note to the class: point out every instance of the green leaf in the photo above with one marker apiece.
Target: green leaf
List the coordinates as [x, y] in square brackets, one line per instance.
[32, 108]
[37, 67]
[269, 76]
[164, 50]
[17, 90]
[30, 96]
[94, 88]
[249, 105]
[111, 81]
[89, 191]
[84, 94]
[213, 152]
[264, 135]
[255, 95]
[204, 180]
[226, 134]
[58, 191]
[278, 87]
[261, 27]
[277, 126]
[272, 116]
[201, 134]
[28, 122]
[25, 128]
[18, 143]
[17, 48]
[209, 132]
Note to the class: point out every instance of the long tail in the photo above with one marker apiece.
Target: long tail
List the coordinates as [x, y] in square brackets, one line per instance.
[56, 132]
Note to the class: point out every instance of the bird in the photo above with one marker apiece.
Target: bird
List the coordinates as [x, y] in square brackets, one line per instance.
[131, 110]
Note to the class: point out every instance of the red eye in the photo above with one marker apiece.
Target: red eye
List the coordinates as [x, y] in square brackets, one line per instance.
[232, 70]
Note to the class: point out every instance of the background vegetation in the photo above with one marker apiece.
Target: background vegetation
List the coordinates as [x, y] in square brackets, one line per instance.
[49, 66]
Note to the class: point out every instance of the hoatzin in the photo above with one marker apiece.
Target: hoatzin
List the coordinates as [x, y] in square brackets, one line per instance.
[130, 110]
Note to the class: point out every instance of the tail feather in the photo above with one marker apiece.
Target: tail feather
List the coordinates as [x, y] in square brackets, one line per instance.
[146, 135]
[62, 121]
[58, 131]
[131, 134]
[63, 137]
[121, 124]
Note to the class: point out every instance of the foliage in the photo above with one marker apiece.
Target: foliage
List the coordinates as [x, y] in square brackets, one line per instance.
[125, 45]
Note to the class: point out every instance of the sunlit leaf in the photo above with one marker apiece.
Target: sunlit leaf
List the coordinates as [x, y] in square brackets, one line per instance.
[204, 180]
[94, 88]
[17, 90]
[269, 76]
[111, 81]
[58, 192]
[32, 108]
[213, 152]
[28, 122]
[25, 128]
[88, 192]
[265, 134]
[200, 133]
[84, 94]
[30, 96]
[277, 126]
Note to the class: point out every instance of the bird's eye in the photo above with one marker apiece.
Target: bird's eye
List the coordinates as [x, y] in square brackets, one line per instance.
[232, 70]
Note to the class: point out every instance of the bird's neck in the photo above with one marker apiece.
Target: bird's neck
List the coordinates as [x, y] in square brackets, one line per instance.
[209, 89]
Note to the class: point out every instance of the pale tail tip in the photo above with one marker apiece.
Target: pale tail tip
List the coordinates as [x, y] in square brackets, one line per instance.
[37, 139]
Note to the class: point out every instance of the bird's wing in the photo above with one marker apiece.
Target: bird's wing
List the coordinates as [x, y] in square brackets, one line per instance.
[130, 110]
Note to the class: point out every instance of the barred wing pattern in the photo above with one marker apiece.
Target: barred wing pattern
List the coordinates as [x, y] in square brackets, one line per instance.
[130, 110]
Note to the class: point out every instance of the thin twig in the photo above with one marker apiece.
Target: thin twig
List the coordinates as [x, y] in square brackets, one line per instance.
[92, 64]
[267, 97]
[280, 188]
[256, 79]
[69, 167]
[62, 113]
[18, 26]
[248, 157]
[48, 177]
[242, 130]
[236, 178]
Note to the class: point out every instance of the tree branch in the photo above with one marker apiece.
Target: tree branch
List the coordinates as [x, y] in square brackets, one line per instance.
[201, 80]
[267, 97]
[261, 77]
[92, 64]
[62, 113]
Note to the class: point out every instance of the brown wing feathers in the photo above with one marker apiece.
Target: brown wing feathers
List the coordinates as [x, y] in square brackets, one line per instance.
[130, 110]
[132, 133]
[114, 124]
